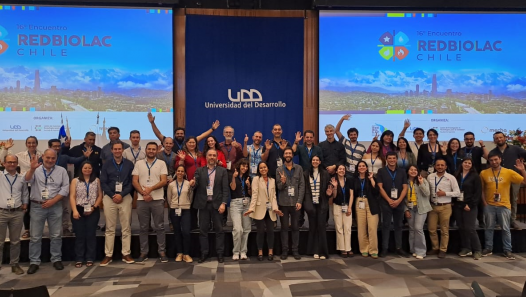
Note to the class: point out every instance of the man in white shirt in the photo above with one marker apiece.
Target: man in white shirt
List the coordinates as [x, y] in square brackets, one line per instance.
[149, 178]
[444, 186]
[134, 153]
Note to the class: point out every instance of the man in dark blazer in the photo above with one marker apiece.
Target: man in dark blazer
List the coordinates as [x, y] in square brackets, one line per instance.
[211, 188]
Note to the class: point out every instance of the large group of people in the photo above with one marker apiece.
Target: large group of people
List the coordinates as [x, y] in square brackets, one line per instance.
[384, 184]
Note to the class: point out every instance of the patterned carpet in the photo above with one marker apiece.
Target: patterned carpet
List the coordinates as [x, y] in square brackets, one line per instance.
[365, 277]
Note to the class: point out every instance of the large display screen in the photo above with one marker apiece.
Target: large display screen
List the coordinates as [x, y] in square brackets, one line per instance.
[86, 68]
[455, 72]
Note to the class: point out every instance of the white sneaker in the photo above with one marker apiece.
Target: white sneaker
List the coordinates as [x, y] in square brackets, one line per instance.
[322, 258]
[235, 257]
[316, 256]
[419, 257]
[414, 255]
[244, 256]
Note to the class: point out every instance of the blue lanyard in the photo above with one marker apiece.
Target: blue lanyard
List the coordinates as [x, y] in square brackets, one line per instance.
[169, 161]
[465, 150]
[462, 180]
[455, 162]
[308, 152]
[180, 146]
[433, 153]
[436, 184]
[87, 191]
[496, 178]
[195, 158]
[228, 150]
[411, 187]
[290, 173]
[403, 159]
[210, 173]
[362, 184]
[135, 156]
[149, 168]
[392, 176]
[179, 190]
[11, 183]
[242, 186]
[343, 188]
[315, 180]
[372, 162]
[352, 149]
[255, 153]
[48, 176]
[276, 145]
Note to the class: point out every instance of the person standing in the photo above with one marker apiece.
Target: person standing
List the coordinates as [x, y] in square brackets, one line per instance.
[475, 153]
[116, 183]
[80, 150]
[465, 209]
[49, 184]
[406, 157]
[255, 152]
[443, 187]
[180, 196]
[14, 197]
[354, 151]
[428, 153]
[149, 178]
[85, 198]
[316, 204]
[333, 151]
[392, 183]
[367, 209]
[211, 197]
[275, 149]
[134, 153]
[418, 135]
[343, 201]
[231, 148]
[496, 184]
[114, 134]
[240, 192]
[509, 153]
[417, 207]
[291, 191]
[453, 155]
[375, 158]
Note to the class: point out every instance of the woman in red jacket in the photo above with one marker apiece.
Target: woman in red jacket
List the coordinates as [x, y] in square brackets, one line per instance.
[211, 143]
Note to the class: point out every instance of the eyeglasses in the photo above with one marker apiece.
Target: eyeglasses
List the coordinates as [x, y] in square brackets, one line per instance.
[11, 162]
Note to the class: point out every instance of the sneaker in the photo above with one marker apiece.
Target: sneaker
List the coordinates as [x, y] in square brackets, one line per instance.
[465, 253]
[107, 260]
[179, 258]
[441, 254]
[235, 257]
[509, 255]
[402, 253]
[414, 254]
[142, 258]
[419, 257]
[127, 259]
[188, 259]
[316, 256]
[322, 258]
[365, 255]
[486, 252]
[243, 256]
[374, 256]
[164, 259]
[477, 255]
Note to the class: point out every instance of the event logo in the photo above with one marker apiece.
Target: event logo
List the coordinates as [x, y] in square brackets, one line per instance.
[245, 99]
[17, 127]
[241, 96]
[3, 45]
[378, 129]
[393, 45]
[493, 130]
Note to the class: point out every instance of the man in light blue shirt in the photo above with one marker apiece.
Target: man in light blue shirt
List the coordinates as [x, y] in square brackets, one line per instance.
[14, 197]
[49, 185]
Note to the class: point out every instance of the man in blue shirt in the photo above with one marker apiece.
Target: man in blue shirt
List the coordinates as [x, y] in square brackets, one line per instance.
[49, 185]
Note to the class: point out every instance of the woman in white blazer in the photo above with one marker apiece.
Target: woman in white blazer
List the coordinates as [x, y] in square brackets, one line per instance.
[263, 209]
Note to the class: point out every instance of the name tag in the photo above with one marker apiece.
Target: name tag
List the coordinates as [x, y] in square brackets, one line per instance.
[316, 199]
[209, 191]
[149, 183]
[118, 187]
[394, 193]
[496, 197]
[434, 198]
[245, 201]
[344, 208]
[351, 168]
[361, 205]
[469, 155]
[269, 206]
[410, 205]
[87, 208]
[430, 169]
[228, 165]
[10, 202]
[461, 196]
[280, 162]
[254, 169]
[290, 191]
[45, 194]
[178, 212]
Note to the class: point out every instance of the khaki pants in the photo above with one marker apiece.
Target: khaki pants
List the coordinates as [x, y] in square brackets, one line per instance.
[342, 225]
[367, 228]
[112, 212]
[439, 215]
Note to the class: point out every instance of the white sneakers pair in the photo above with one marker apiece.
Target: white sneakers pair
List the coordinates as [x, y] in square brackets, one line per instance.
[236, 256]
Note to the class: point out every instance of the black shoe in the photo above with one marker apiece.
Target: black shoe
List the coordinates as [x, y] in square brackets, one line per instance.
[203, 258]
[284, 256]
[220, 259]
[32, 269]
[297, 256]
[58, 265]
[271, 257]
[260, 257]
[402, 253]
[103, 228]
[383, 254]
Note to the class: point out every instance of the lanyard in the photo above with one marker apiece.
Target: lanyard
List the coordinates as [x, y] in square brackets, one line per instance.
[290, 173]
[210, 173]
[343, 188]
[373, 161]
[315, 180]
[403, 159]
[11, 183]
[255, 153]
[455, 162]
[276, 145]
[180, 146]
[433, 153]
[48, 176]
[87, 191]
[135, 156]
[436, 184]
[416, 145]
[496, 178]
[353, 149]
[462, 180]
[308, 152]
[392, 176]
[411, 187]
[149, 168]
[169, 161]
[30, 155]
[242, 186]
[179, 190]
[362, 184]
[195, 158]
[466, 151]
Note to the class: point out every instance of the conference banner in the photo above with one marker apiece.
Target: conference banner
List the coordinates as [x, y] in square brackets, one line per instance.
[455, 72]
[245, 72]
[85, 68]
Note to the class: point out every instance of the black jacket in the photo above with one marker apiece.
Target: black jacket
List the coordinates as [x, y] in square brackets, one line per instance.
[94, 158]
[323, 183]
[221, 188]
[371, 193]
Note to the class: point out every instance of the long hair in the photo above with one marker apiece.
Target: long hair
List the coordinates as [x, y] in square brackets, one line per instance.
[311, 169]
[217, 147]
[380, 152]
[357, 174]
[408, 148]
[185, 149]
[243, 161]
[458, 174]
[259, 173]
[416, 178]
[450, 151]
[391, 145]
[92, 177]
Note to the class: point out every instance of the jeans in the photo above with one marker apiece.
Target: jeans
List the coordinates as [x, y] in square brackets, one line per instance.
[514, 195]
[466, 221]
[242, 225]
[181, 226]
[397, 216]
[39, 215]
[417, 239]
[85, 233]
[266, 222]
[11, 220]
[204, 224]
[289, 211]
[500, 215]
[145, 210]
[439, 215]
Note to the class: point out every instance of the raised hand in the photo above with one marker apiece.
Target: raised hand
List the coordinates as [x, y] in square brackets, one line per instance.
[519, 165]
[246, 138]
[407, 123]
[248, 182]
[371, 175]
[151, 118]
[334, 182]
[481, 142]
[375, 136]
[283, 144]
[283, 177]
[346, 117]
[88, 152]
[159, 147]
[235, 143]
[34, 162]
[420, 179]
[215, 125]
[298, 137]
[268, 145]
[443, 147]
[181, 154]
[67, 142]
[9, 144]
[236, 173]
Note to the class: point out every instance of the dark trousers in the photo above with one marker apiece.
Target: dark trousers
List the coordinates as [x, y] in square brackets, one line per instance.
[267, 223]
[27, 217]
[205, 215]
[397, 215]
[289, 211]
[181, 226]
[317, 243]
[466, 221]
[480, 215]
[85, 235]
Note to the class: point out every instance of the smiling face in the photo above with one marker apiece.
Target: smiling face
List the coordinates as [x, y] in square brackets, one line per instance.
[454, 145]
[418, 135]
[277, 131]
[191, 144]
[467, 164]
[243, 168]
[375, 148]
[117, 150]
[315, 162]
[263, 169]
[180, 172]
[362, 167]
[210, 142]
[151, 151]
[257, 138]
[341, 171]
[31, 144]
[432, 136]
[412, 172]
[440, 166]
[499, 139]
[308, 138]
[87, 169]
[135, 139]
[402, 144]
[469, 140]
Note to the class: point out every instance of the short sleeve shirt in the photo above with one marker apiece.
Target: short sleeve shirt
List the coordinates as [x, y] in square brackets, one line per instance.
[153, 174]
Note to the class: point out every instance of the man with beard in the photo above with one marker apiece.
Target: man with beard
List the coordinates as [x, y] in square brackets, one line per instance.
[179, 134]
[80, 150]
[291, 188]
[275, 150]
[211, 197]
[233, 152]
[473, 152]
[255, 152]
[353, 150]
[509, 154]
[134, 153]
[114, 134]
[418, 135]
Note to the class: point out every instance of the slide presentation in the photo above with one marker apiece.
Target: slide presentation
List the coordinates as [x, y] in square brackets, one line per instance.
[86, 68]
[454, 72]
